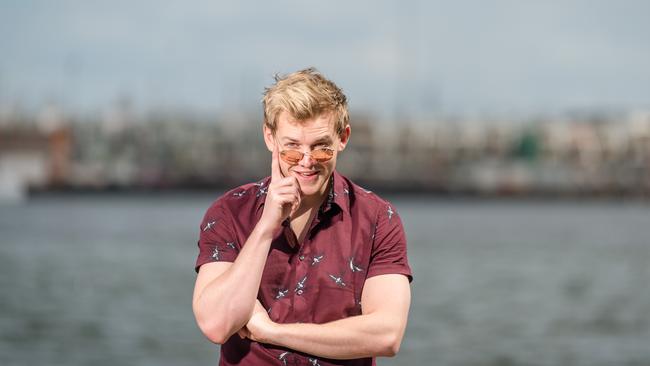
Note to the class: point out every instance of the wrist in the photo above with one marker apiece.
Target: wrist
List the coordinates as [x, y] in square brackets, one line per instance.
[273, 334]
[265, 229]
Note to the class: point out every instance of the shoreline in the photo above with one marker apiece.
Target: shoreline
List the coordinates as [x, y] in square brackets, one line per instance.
[406, 192]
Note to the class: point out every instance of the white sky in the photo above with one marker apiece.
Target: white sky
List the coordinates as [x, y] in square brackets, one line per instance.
[390, 57]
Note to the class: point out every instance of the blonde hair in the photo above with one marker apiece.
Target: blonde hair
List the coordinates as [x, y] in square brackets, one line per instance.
[305, 94]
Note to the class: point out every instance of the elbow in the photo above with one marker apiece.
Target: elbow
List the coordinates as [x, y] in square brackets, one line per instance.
[217, 338]
[215, 333]
[391, 350]
[218, 329]
[215, 329]
[390, 345]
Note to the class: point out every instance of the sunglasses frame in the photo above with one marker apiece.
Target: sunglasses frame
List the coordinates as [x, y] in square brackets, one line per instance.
[310, 154]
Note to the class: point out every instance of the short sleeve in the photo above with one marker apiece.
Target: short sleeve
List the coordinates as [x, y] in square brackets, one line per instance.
[216, 239]
[389, 246]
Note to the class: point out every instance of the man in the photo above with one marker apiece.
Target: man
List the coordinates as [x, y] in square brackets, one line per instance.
[303, 267]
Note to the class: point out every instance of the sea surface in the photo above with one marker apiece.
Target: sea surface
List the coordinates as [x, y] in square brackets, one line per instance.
[108, 279]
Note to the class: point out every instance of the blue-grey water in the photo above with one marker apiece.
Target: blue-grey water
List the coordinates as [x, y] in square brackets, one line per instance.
[107, 280]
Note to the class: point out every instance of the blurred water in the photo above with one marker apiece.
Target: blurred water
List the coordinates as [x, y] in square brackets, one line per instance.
[107, 280]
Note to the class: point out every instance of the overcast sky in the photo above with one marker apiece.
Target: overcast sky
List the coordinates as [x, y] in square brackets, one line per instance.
[390, 57]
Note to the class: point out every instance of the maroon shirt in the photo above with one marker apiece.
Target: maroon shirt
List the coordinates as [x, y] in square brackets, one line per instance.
[354, 236]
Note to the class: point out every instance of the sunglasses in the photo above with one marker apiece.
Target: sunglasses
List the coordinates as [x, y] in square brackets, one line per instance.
[319, 155]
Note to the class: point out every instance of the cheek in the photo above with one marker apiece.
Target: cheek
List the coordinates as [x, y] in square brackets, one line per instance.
[332, 163]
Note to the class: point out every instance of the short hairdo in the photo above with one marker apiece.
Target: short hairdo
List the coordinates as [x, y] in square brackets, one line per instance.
[305, 94]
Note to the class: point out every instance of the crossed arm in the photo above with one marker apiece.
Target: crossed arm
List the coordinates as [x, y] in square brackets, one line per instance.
[225, 293]
[377, 332]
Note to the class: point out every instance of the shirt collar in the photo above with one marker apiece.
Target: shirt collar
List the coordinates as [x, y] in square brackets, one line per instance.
[339, 193]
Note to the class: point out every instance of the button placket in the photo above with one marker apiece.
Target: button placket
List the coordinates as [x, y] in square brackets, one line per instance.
[301, 280]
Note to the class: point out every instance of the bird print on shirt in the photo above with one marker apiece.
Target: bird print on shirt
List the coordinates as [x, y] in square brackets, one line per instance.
[261, 191]
[216, 254]
[260, 188]
[300, 287]
[338, 280]
[209, 225]
[283, 357]
[281, 293]
[354, 267]
[331, 195]
[314, 362]
[231, 245]
[317, 259]
[390, 212]
[239, 194]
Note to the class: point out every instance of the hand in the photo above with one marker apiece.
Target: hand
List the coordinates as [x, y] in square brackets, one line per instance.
[260, 327]
[283, 196]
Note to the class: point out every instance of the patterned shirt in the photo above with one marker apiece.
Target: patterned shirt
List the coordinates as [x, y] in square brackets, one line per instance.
[354, 236]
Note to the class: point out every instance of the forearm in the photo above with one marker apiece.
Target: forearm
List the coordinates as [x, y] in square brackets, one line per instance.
[224, 305]
[360, 336]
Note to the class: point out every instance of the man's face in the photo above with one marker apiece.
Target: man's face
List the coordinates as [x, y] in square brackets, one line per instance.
[306, 136]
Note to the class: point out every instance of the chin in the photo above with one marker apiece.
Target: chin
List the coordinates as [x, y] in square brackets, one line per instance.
[313, 189]
[309, 191]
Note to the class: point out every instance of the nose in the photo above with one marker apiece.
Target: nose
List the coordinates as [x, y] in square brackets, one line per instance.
[307, 161]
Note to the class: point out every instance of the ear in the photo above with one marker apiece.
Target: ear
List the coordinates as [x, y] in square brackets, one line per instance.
[269, 139]
[344, 137]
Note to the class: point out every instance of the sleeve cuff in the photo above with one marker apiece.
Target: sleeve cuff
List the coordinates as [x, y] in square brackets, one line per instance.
[391, 270]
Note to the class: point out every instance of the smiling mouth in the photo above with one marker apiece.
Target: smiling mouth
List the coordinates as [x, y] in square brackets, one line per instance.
[306, 174]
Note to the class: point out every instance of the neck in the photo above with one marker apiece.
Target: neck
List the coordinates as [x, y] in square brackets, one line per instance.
[312, 202]
[315, 201]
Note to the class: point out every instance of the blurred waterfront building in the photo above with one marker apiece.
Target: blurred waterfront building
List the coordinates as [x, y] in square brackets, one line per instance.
[34, 153]
[572, 154]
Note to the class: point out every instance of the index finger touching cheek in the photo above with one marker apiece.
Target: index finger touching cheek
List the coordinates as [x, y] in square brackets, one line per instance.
[276, 173]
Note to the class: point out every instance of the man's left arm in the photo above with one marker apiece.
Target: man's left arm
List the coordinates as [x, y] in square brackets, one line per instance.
[378, 331]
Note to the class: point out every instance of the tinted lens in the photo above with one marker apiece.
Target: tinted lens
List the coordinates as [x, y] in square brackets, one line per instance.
[291, 156]
[294, 156]
[322, 156]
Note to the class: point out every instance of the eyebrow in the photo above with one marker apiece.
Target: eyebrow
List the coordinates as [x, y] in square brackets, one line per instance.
[324, 139]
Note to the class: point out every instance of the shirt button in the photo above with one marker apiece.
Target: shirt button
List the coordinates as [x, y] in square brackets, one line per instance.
[302, 257]
[299, 292]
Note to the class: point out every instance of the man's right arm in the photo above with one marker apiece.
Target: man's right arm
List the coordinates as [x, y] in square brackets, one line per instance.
[225, 293]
